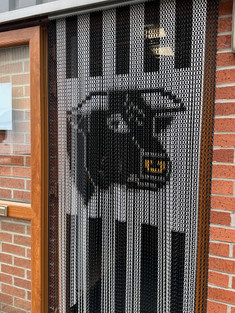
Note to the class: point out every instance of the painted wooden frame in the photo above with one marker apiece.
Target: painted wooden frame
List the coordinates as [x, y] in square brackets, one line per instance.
[35, 37]
[205, 170]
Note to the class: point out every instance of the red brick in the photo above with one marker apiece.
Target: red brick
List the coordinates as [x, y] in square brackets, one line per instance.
[27, 115]
[221, 249]
[5, 171]
[28, 295]
[28, 184]
[225, 76]
[218, 279]
[11, 309]
[29, 275]
[6, 298]
[22, 149]
[29, 253]
[21, 79]
[5, 79]
[21, 126]
[5, 237]
[13, 291]
[232, 309]
[222, 295]
[21, 103]
[23, 304]
[21, 195]
[220, 218]
[223, 155]
[222, 187]
[13, 227]
[27, 91]
[22, 240]
[28, 230]
[5, 258]
[11, 68]
[224, 124]
[225, 59]
[13, 249]
[5, 193]
[22, 262]
[11, 160]
[12, 183]
[225, 93]
[222, 234]
[225, 7]
[215, 307]
[17, 92]
[225, 25]
[5, 148]
[27, 161]
[12, 270]
[223, 171]
[27, 138]
[11, 137]
[222, 140]
[224, 42]
[23, 283]
[21, 172]
[223, 203]
[18, 115]
[5, 278]
[26, 66]
[222, 265]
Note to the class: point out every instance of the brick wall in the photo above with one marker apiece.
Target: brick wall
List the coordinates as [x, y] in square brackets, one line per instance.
[15, 144]
[15, 266]
[221, 287]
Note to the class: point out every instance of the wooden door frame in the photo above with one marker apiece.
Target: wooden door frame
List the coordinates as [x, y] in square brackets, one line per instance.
[36, 211]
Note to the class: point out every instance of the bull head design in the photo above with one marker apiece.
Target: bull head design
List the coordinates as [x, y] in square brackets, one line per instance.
[118, 140]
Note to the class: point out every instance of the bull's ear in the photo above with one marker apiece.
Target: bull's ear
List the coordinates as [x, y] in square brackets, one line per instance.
[76, 119]
[71, 123]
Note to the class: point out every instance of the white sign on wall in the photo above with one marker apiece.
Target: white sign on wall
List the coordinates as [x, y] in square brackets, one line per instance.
[5, 106]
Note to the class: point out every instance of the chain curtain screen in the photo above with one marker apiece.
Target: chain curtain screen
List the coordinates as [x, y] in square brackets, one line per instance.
[131, 93]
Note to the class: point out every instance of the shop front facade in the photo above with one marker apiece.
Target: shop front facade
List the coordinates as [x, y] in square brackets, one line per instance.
[117, 156]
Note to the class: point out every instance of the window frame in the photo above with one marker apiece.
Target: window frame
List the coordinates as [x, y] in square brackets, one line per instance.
[35, 211]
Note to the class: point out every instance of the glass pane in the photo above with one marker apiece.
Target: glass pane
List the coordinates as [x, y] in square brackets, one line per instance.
[15, 148]
[4, 6]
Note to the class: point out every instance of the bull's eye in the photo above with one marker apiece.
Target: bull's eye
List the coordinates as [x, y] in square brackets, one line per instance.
[117, 124]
